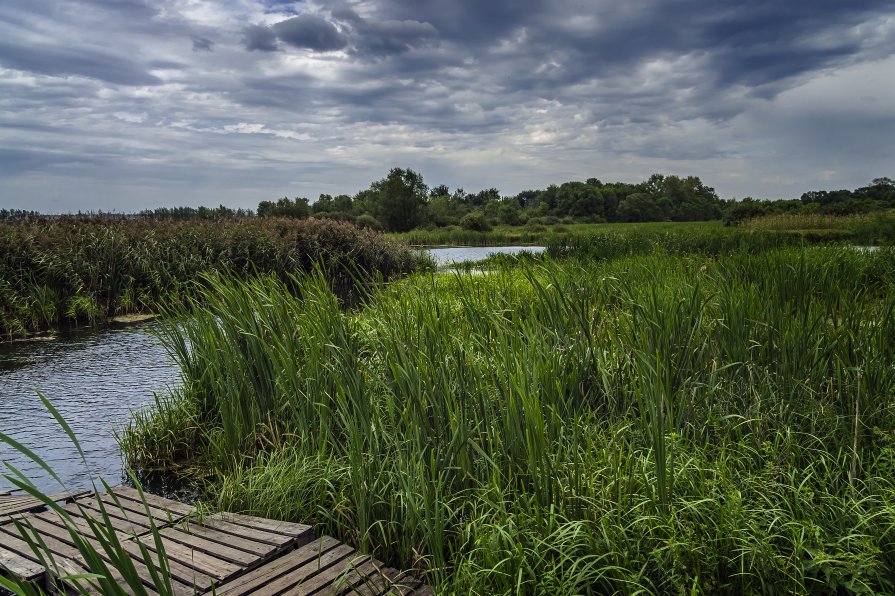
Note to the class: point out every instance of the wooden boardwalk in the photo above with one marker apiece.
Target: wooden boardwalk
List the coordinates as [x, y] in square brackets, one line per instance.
[227, 553]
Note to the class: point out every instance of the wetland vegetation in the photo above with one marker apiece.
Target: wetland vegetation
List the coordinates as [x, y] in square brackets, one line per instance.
[712, 418]
[73, 270]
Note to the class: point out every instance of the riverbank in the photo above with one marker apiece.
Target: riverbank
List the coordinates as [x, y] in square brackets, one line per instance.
[657, 421]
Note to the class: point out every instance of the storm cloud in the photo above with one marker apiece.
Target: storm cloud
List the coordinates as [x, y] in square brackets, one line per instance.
[125, 105]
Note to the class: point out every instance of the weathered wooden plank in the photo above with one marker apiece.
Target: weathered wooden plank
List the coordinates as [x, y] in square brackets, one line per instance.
[216, 568]
[401, 582]
[13, 542]
[269, 525]
[15, 506]
[218, 522]
[335, 575]
[182, 575]
[79, 509]
[161, 517]
[387, 580]
[360, 580]
[131, 548]
[215, 549]
[136, 517]
[280, 566]
[288, 583]
[257, 548]
[155, 500]
[17, 564]
[60, 543]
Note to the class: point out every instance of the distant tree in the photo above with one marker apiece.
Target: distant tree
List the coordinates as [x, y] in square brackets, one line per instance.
[368, 221]
[639, 206]
[399, 199]
[579, 199]
[441, 190]
[285, 207]
[510, 213]
[445, 210]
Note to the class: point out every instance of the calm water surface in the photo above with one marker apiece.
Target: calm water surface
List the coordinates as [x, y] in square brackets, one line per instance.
[458, 254]
[95, 380]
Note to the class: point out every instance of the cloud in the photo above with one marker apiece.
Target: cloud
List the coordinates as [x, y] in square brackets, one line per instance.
[310, 32]
[386, 37]
[259, 38]
[201, 44]
[87, 63]
[242, 101]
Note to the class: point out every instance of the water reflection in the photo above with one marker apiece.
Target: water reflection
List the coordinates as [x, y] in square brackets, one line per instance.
[459, 254]
[95, 380]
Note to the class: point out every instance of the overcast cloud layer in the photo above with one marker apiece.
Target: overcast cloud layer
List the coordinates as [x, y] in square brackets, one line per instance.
[128, 104]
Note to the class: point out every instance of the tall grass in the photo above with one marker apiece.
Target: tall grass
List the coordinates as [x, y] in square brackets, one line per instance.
[715, 421]
[713, 241]
[68, 271]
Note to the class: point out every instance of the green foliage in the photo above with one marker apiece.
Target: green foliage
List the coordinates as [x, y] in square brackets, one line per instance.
[285, 207]
[711, 417]
[72, 271]
[399, 199]
[475, 221]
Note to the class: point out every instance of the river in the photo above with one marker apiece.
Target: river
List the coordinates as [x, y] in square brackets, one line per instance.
[96, 379]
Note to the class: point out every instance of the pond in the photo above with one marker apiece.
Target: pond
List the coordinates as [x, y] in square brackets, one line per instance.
[96, 380]
[459, 254]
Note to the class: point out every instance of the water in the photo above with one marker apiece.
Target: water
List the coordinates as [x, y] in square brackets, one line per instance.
[459, 254]
[95, 380]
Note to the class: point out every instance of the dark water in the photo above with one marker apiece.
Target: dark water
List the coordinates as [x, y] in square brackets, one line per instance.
[459, 254]
[95, 380]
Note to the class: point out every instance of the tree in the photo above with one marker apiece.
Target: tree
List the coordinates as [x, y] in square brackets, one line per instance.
[639, 206]
[441, 190]
[579, 200]
[285, 207]
[399, 199]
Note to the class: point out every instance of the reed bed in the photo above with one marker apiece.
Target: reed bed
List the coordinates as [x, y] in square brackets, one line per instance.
[77, 271]
[807, 221]
[679, 240]
[704, 422]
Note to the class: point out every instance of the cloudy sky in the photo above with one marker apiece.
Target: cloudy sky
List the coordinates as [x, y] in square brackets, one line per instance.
[128, 104]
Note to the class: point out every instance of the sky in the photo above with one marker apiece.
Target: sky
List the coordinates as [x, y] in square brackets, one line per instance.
[131, 104]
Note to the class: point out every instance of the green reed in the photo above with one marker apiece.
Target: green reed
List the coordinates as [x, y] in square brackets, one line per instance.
[76, 271]
[714, 417]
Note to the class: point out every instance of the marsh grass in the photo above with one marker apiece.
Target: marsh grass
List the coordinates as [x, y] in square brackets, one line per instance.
[79, 271]
[713, 417]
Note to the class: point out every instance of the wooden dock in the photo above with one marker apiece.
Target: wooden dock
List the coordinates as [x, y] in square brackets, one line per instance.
[226, 553]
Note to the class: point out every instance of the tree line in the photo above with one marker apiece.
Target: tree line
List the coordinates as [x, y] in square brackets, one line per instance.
[879, 195]
[402, 201]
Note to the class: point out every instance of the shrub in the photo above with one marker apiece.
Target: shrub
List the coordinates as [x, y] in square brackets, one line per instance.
[475, 221]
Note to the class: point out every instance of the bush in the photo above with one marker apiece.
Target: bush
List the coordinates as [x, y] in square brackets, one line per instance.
[475, 221]
[369, 222]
